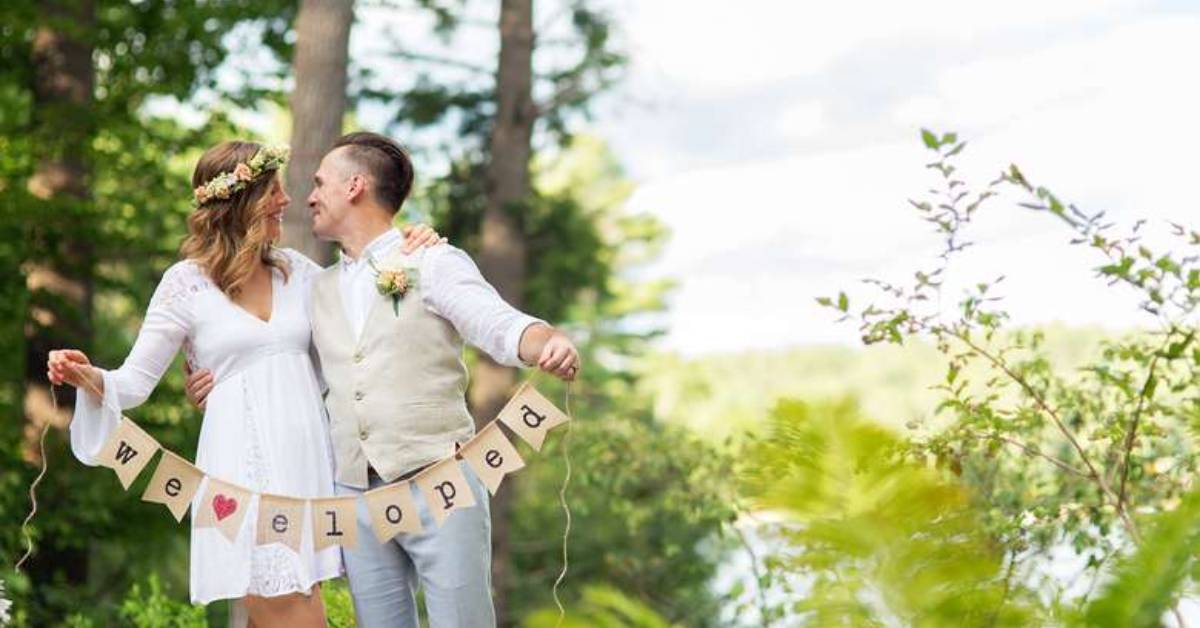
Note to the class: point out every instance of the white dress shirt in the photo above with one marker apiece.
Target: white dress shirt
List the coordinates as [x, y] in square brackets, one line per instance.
[451, 287]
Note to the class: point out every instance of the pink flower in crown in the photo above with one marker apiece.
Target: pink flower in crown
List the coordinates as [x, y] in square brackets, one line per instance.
[201, 195]
[242, 172]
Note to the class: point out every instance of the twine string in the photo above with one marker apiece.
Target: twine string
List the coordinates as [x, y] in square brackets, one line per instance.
[562, 499]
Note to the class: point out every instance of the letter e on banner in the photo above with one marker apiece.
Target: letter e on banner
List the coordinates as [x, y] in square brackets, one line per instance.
[531, 415]
[280, 520]
[491, 456]
[173, 484]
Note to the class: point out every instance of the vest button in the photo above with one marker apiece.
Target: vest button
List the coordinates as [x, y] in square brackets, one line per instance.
[362, 433]
[358, 357]
[358, 396]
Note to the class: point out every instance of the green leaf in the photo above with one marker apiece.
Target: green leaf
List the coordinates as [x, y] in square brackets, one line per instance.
[843, 302]
[931, 140]
[1147, 582]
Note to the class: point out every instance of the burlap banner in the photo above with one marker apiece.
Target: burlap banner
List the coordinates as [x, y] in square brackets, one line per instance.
[491, 456]
[174, 484]
[531, 415]
[445, 489]
[393, 509]
[280, 520]
[335, 522]
[128, 451]
[224, 507]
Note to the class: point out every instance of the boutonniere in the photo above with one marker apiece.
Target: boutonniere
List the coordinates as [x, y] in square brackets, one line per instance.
[394, 282]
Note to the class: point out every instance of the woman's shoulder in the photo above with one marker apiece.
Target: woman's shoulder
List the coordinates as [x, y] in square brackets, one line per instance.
[180, 280]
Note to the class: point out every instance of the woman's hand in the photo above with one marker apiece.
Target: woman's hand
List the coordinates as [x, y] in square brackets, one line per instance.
[420, 236]
[70, 366]
[199, 384]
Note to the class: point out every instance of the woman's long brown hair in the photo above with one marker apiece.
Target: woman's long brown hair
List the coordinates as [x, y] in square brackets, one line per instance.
[226, 236]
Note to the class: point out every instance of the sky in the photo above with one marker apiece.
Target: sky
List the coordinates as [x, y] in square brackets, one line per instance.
[779, 141]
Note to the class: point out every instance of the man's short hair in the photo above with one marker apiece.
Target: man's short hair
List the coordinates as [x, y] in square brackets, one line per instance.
[385, 161]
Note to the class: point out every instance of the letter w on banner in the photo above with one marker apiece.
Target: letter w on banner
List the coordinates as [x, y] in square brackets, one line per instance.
[127, 451]
[531, 415]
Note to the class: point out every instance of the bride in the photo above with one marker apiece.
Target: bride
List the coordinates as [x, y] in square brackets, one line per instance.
[238, 306]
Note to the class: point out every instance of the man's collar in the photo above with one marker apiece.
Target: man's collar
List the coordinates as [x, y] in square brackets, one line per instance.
[375, 249]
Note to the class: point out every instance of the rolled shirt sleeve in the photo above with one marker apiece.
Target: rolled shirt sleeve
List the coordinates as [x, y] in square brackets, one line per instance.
[453, 287]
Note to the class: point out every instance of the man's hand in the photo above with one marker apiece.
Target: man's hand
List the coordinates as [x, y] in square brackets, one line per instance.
[418, 236]
[559, 357]
[199, 384]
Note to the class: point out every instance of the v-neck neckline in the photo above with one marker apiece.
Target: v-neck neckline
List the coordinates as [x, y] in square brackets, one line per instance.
[271, 310]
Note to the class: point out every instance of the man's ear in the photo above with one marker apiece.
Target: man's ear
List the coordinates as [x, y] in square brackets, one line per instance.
[357, 187]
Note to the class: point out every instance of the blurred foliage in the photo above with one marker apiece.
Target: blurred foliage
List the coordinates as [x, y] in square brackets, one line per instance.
[138, 179]
[649, 500]
[879, 539]
[602, 607]
[722, 396]
[1060, 457]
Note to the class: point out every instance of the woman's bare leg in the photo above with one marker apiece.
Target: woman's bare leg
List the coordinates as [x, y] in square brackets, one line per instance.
[295, 609]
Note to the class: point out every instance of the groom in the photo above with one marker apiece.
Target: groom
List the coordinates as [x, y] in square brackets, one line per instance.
[397, 382]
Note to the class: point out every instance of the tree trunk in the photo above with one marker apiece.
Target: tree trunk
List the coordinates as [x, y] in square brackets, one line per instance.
[318, 105]
[502, 252]
[59, 276]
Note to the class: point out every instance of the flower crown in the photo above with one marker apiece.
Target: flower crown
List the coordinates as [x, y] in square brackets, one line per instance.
[226, 184]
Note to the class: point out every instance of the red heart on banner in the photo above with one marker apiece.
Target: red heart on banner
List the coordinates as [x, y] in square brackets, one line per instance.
[223, 506]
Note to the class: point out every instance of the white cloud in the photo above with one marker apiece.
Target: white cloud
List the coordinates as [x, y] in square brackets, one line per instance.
[1104, 117]
[802, 120]
[712, 45]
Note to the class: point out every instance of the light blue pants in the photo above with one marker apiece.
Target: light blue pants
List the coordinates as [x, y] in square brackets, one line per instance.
[452, 564]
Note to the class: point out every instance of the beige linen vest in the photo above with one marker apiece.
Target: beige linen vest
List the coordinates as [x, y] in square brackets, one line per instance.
[397, 395]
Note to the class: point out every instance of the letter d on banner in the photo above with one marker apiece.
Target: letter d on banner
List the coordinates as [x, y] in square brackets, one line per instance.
[127, 451]
[531, 415]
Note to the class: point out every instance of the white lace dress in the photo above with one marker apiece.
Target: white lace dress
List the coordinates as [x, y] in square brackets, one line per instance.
[265, 426]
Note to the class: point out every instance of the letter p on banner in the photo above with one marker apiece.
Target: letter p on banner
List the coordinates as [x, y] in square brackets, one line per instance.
[445, 489]
[531, 415]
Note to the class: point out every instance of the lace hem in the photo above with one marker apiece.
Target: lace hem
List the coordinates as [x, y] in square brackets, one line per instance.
[273, 571]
